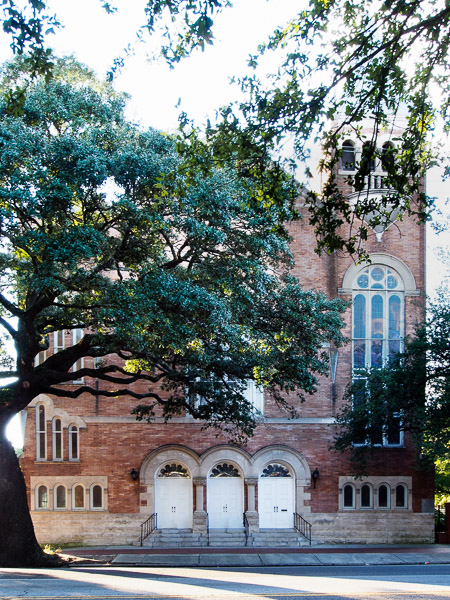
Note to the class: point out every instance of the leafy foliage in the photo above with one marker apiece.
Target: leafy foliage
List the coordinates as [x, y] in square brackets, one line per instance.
[364, 65]
[182, 272]
[413, 389]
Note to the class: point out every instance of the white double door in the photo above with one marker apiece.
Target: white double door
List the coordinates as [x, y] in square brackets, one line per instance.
[173, 503]
[276, 502]
[225, 502]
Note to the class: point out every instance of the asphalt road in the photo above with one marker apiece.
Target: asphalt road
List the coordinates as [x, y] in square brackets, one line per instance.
[393, 582]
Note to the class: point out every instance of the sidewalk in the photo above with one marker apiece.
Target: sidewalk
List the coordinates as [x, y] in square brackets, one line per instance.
[258, 557]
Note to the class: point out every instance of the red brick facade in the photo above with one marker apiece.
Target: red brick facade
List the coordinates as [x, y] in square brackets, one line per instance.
[112, 443]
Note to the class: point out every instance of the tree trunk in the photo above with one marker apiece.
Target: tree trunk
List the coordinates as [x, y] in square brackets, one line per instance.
[18, 544]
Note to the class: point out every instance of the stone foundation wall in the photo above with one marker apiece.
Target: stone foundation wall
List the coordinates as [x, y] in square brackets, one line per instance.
[84, 528]
[333, 528]
[389, 527]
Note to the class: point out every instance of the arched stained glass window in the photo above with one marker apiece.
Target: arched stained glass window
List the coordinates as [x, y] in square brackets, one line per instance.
[378, 330]
[173, 470]
[378, 321]
[225, 470]
[276, 470]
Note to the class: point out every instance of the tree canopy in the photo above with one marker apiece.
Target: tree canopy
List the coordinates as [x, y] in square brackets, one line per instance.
[352, 63]
[181, 272]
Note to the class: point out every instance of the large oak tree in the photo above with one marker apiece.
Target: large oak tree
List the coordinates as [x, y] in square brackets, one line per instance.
[181, 271]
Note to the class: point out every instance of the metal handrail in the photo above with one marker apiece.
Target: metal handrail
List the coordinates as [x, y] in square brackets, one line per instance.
[148, 526]
[302, 526]
[246, 528]
[207, 529]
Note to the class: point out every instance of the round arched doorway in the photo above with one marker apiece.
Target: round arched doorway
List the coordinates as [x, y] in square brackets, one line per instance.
[225, 497]
[173, 497]
[276, 497]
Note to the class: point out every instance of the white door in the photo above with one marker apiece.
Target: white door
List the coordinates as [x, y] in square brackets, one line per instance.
[225, 502]
[276, 502]
[173, 502]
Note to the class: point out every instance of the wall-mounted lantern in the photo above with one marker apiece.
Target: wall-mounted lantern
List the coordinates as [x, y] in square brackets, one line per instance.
[134, 475]
[315, 476]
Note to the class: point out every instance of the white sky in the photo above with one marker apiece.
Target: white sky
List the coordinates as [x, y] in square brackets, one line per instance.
[198, 85]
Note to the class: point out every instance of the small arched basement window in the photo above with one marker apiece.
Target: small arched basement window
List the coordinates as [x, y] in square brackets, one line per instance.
[348, 496]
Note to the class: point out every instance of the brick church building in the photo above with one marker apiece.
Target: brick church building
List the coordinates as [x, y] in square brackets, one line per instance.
[95, 474]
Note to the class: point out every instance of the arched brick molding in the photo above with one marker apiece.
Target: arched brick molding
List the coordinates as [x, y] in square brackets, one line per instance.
[295, 462]
[379, 258]
[155, 461]
[221, 454]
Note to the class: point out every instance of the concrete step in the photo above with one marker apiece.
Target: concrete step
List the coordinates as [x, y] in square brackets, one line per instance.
[278, 538]
[222, 538]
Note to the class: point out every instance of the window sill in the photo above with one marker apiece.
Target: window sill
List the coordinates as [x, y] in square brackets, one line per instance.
[41, 461]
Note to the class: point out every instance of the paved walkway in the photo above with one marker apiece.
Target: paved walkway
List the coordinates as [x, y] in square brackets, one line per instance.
[257, 557]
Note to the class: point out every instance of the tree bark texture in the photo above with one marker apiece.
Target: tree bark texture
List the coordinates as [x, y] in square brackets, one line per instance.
[18, 544]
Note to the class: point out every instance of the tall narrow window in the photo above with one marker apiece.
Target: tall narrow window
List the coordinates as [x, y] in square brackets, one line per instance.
[60, 497]
[57, 439]
[368, 158]
[348, 496]
[41, 433]
[42, 497]
[40, 358]
[96, 496]
[366, 496]
[78, 497]
[77, 335]
[73, 443]
[383, 496]
[401, 496]
[377, 335]
[348, 156]
[58, 341]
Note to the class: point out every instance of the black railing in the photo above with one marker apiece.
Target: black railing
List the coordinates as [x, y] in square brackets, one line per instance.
[148, 526]
[207, 529]
[375, 182]
[302, 526]
[246, 528]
